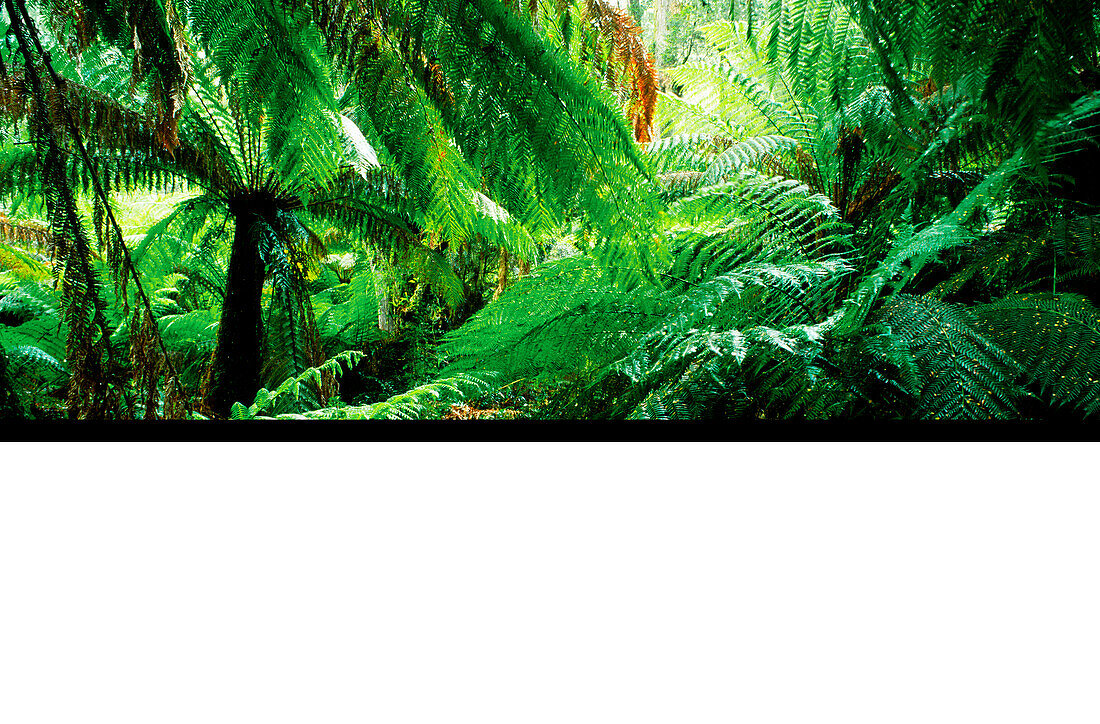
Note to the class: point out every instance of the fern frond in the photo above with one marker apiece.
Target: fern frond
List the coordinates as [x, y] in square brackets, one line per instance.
[964, 373]
[1056, 340]
[427, 401]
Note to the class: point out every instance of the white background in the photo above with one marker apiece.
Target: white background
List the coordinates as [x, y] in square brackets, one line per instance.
[551, 583]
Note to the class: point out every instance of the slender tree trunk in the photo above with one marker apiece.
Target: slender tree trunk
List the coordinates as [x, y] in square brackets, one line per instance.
[502, 274]
[385, 308]
[660, 30]
[235, 373]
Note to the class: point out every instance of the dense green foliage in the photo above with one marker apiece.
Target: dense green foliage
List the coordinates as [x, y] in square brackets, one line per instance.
[351, 209]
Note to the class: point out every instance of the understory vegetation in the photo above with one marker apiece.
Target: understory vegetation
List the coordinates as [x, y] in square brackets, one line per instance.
[556, 209]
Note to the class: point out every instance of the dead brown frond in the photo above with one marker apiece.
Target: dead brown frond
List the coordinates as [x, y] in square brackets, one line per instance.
[629, 68]
[93, 392]
[502, 274]
[147, 361]
[25, 234]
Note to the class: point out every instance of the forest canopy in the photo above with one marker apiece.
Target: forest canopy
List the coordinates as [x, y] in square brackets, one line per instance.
[555, 209]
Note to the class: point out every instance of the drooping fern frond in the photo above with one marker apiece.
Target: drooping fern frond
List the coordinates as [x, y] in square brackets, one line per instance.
[1055, 338]
[783, 212]
[965, 374]
[525, 123]
[157, 34]
[739, 291]
[743, 153]
[603, 37]
[91, 392]
[734, 101]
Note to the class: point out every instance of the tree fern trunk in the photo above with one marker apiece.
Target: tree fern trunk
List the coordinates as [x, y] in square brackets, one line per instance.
[235, 373]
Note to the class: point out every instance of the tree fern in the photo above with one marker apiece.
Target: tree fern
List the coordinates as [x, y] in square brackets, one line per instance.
[731, 297]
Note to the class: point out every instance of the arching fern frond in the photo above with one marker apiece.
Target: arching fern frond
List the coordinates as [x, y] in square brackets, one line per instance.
[427, 401]
[965, 375]
[782, 211]
[1055, 338]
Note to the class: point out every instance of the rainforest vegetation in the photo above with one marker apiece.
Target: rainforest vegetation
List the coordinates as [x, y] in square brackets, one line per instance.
[549, 209]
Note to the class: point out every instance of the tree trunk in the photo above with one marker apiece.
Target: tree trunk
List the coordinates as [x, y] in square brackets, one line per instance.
[660, 30]
[235, 373]
[385, 309]
[502, 274]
